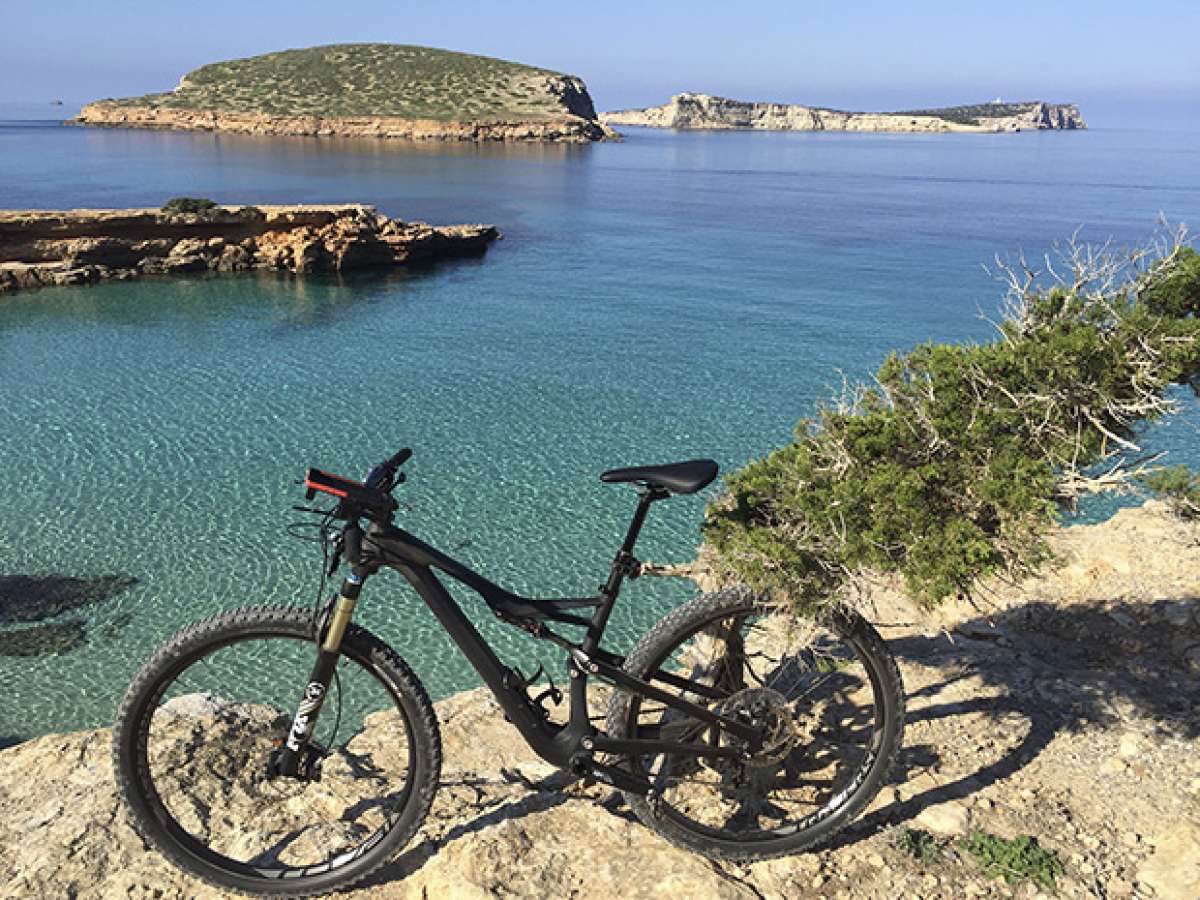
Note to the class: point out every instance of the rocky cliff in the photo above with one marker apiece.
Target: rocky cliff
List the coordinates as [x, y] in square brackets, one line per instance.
[81, 246]
[1066, 709]
[570, 130]
[368, 90]
[689, 110]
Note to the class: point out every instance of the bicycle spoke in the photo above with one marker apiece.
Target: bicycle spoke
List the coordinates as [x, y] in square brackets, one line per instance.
[814, 704]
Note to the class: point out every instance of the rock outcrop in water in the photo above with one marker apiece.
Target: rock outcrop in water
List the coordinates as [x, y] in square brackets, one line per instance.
[368, 90]
[28, 599]
[31, 598]
[1068, 711]
[699, 111]
[82, 246]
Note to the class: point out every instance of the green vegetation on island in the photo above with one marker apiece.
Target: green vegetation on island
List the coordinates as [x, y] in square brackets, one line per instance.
[974, 113]
[955, 464]
[347, 80]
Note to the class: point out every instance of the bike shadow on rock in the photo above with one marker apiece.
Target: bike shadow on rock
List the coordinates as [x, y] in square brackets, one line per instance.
[1024, 675]
[540, 798]
[1013, 681]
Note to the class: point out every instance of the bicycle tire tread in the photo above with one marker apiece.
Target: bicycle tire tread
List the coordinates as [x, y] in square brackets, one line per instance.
[704, 607]
[425, 728]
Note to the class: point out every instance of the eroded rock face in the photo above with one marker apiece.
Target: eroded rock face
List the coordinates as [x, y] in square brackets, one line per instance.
[581, 127]
[1173, 869]
[689, 110]
[56, 247]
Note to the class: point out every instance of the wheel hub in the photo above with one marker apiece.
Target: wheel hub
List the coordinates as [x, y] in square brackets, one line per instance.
[766, 709]
[309, 768]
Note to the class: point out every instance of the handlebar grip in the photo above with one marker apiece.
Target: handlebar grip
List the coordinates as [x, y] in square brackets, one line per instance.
[383, 473]
[356, 498]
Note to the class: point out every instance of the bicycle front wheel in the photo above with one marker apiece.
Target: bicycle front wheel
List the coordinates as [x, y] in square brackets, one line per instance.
[197, 730]
[827, 695]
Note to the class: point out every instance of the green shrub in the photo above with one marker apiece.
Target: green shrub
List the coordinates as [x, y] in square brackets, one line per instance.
[920, 845]
[957, 461]
[1179, 486]
[1017, 859]
[177, 205]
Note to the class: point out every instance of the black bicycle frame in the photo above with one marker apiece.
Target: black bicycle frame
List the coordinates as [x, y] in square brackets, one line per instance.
[568, 746]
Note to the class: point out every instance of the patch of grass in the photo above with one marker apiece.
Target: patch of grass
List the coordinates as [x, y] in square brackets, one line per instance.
[920, 845]
[1020, 858]
[342, 80]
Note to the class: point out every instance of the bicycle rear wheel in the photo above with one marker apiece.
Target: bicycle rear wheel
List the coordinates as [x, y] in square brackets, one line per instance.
[197, 729]
[827, 694]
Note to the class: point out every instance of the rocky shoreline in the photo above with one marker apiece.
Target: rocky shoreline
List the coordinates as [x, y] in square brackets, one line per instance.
[40, 248]
[566, 129]
[1065, 709]
[704, 111]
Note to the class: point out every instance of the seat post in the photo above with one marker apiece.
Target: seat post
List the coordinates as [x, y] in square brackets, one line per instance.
[623, 564]
[646, 496]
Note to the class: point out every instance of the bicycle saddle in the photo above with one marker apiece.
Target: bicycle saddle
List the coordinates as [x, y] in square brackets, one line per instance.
[678, 478]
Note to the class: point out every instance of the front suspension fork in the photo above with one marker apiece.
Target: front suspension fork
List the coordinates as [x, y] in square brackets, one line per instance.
[290, 758]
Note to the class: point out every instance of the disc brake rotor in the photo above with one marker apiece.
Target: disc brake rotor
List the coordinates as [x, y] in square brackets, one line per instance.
[766, 709]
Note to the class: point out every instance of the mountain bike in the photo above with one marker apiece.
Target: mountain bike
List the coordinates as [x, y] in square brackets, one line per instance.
[289, 751]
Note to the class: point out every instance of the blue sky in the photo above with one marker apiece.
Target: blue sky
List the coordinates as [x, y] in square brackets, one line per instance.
[1124, 62]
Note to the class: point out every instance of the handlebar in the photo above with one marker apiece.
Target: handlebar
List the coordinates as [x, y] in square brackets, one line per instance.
[371, 498]
[385, 472]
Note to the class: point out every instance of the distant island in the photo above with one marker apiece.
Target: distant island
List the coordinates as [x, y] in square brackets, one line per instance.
[698, 111]
[368, 90]
[39, 248]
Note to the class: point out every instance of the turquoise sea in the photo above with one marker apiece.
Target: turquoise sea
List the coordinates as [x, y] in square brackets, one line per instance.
[671, 296]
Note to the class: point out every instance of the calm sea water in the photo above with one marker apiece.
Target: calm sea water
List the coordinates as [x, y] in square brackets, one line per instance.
[671, 296]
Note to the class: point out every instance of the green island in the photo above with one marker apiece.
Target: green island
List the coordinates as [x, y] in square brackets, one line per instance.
[371, 89]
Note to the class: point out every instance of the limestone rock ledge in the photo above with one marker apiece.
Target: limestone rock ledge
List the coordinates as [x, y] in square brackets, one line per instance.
[570, 129]
[488, 834]
[83, 246]
[1067, 711]
[704, 111]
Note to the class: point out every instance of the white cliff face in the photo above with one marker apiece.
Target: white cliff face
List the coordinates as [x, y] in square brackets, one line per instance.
[688, 110]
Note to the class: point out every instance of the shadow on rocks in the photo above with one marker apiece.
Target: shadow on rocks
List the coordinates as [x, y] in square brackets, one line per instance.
[1091, 665]
[543, 796]
[1060, 668]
